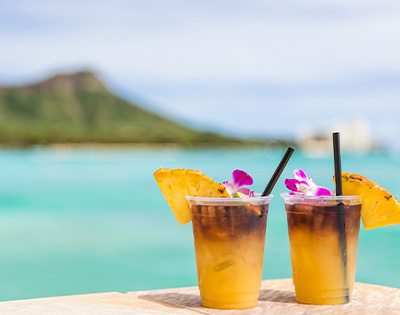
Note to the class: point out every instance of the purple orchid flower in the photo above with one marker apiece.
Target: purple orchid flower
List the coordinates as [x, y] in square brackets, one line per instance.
[304, 185]
[239, 180]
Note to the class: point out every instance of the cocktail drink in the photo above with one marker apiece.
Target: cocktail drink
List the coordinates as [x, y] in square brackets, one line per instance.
[323, 236]
[229, 223]
[229, 237]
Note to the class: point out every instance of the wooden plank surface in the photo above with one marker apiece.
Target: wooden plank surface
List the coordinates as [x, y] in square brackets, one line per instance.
[276, 297]
[94, 304]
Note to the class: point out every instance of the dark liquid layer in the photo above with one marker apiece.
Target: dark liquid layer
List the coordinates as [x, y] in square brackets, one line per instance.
[323, 219]
[228, 221]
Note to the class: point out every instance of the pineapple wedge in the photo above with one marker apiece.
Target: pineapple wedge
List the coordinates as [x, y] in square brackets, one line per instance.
[175, 184]
[379, 207]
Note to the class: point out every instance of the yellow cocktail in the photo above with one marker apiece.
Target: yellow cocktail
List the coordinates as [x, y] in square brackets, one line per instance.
[323, 235]
[229, 238]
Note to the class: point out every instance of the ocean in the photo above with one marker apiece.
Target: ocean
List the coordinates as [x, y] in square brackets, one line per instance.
[88, 220]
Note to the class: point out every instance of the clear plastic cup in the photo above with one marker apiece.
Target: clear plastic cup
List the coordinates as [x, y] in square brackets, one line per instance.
[323, 236]
[229, 238]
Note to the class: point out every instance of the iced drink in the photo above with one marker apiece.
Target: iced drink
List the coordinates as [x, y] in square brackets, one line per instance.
[229, 237]
[323, 236]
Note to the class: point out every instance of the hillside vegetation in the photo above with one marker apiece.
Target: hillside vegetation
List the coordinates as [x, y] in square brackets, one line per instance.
[78, 108]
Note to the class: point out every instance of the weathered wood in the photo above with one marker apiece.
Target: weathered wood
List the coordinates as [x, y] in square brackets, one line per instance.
[276, 297]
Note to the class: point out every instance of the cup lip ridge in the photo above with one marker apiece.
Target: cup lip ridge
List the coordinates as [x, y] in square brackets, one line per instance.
[257, 199]
[351, 198]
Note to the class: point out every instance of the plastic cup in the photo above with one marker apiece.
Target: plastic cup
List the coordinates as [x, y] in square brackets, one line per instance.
[229, 238]
[323, 236]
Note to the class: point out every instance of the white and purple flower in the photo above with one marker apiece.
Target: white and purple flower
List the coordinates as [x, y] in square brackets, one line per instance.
[304, 185]
[240, 179]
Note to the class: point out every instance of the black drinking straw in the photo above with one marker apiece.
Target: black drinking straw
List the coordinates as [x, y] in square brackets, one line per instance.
[278, 172]
[339, 192]
[338, 164]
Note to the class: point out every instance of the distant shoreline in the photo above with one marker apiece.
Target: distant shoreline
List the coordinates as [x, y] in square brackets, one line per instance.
[112, 145]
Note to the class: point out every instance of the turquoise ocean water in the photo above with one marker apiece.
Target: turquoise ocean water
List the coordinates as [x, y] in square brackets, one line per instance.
[94, 220]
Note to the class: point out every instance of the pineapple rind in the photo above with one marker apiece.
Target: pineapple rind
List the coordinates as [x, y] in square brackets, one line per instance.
[379, 207]
[176, 184]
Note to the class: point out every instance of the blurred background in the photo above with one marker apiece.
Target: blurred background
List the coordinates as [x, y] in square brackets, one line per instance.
[97, 95]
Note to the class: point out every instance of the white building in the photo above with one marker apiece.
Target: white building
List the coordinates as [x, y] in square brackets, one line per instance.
[355, 136]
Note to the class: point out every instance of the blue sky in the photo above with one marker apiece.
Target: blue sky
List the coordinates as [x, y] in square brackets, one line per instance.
[265, 68]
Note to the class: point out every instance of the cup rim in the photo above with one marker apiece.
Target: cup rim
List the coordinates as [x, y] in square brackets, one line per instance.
[304, 199]
[256, 200]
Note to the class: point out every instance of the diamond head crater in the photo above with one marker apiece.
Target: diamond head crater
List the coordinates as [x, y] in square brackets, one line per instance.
[77, 108]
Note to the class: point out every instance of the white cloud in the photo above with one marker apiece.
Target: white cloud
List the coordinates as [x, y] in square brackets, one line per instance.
[161, 42]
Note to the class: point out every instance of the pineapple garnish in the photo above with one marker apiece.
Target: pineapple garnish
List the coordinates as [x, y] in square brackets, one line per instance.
[176, 184]
[379, 207]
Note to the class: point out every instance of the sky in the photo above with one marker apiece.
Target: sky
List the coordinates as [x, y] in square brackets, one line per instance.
[245, 68]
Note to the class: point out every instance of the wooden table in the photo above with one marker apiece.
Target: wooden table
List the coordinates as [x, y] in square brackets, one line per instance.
[276, 297]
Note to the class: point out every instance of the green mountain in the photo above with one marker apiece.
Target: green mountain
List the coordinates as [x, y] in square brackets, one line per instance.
[78, 108]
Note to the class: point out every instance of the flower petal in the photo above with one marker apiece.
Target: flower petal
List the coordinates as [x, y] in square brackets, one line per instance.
[244, 190]
[322, 191]
[311, 183]
[241, 178]
[291, 184]
[229, 188]
[300, 175]
[304, 185]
